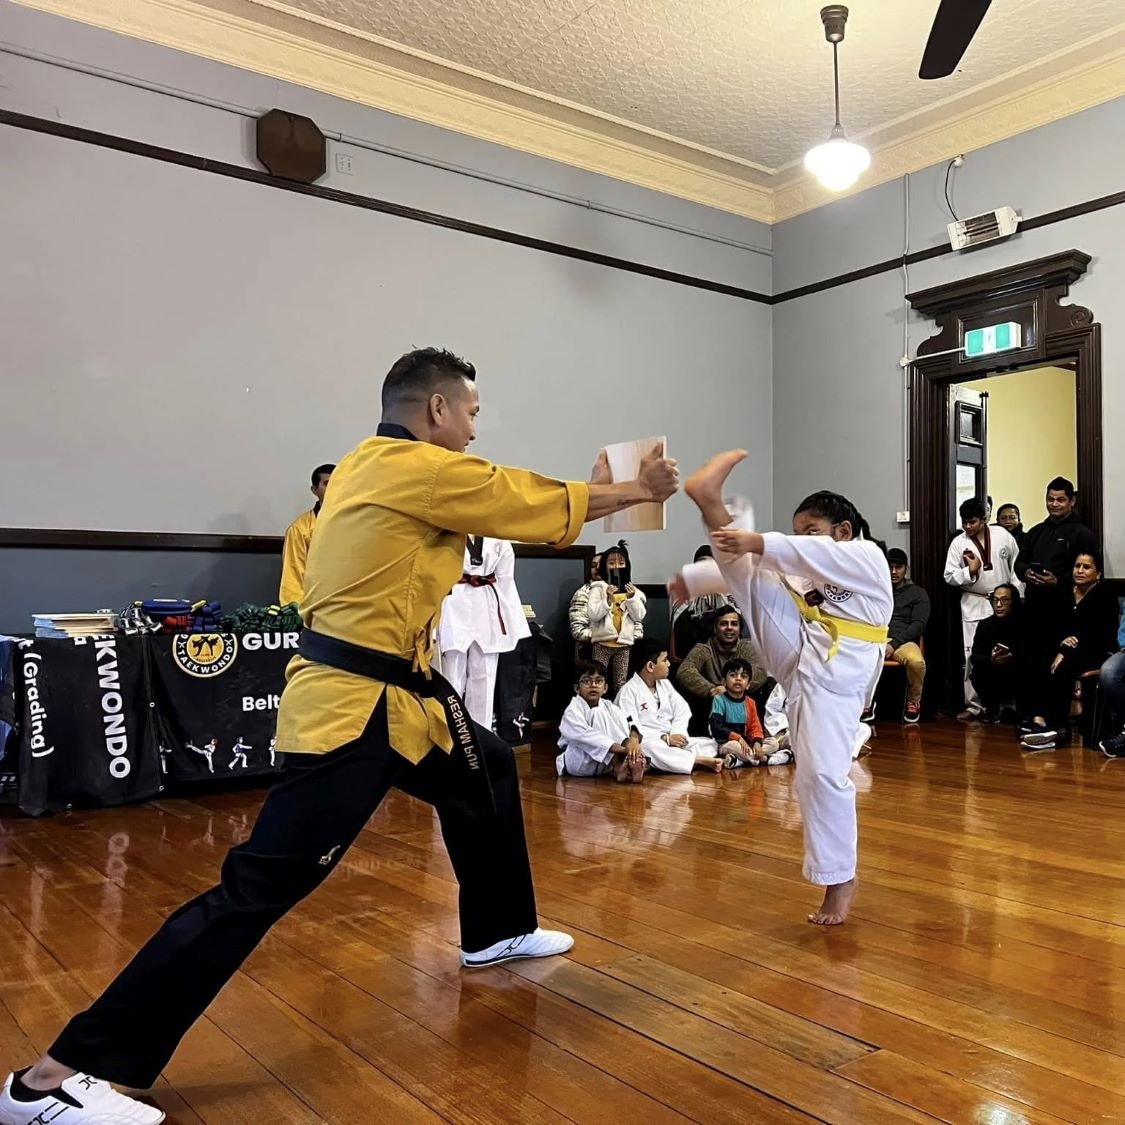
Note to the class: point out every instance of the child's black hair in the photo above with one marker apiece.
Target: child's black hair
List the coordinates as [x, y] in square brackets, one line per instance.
[835, 508]
[590, 668]
[737, 664]
[645, 650]
[626, 575]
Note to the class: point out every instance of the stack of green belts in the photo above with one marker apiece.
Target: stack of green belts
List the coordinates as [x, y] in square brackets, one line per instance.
[263, 619]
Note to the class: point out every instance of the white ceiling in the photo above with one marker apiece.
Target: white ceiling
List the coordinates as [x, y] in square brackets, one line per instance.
[711, 100]
[748, 78]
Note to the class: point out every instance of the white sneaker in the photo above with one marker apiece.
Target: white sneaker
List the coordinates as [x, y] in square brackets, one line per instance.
[81, 1100]
[542, 943]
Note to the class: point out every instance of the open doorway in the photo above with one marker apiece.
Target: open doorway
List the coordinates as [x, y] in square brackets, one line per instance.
[1014, 432]
[1053, 333]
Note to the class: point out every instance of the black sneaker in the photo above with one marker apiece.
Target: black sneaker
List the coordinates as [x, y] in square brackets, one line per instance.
[868, 715]
[992, 718]
[1113, 747]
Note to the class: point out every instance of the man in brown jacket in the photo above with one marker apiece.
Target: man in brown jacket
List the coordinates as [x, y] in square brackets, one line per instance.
[700, 676]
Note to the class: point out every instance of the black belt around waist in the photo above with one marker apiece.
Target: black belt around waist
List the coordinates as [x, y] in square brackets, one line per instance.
[466, 755]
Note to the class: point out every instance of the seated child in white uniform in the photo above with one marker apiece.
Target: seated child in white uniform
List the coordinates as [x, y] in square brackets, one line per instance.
[735, 725]
[595, 736]
[776, 724]
[662, 715]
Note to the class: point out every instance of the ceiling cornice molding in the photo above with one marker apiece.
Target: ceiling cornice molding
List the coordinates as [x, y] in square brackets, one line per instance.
[269, 38]
[593, 144]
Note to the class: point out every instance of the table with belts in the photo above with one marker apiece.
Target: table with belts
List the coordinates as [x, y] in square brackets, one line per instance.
[115, 719]
[109, 720]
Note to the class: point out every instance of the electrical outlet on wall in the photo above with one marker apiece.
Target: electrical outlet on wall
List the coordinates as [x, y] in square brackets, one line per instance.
[902, 517]
[344, 163]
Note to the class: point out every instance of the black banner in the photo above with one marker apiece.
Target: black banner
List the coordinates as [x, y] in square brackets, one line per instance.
[217, 697]
[87, 736]
[111, 720]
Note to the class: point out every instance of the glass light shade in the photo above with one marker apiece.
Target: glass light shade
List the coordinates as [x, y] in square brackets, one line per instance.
[838, 163]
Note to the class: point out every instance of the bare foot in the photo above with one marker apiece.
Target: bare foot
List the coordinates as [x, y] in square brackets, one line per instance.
[837, 902]
[713, 764]
[705, 487]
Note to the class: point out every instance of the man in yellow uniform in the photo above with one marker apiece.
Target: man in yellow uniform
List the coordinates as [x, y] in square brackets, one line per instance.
[362, 713]
[295, 554]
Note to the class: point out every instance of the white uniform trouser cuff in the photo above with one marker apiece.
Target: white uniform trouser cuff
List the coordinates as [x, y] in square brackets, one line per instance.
[829, 878]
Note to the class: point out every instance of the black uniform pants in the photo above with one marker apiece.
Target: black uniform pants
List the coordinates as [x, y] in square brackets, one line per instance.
[308, 821]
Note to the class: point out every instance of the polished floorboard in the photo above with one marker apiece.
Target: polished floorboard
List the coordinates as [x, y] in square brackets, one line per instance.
[979, 979]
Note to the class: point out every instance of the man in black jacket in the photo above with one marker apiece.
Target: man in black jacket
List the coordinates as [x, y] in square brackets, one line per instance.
[1046, 559]
[1049, 549]
[908, 623]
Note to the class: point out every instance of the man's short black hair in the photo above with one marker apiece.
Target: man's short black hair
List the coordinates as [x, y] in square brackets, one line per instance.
[322, 471]
[1004, 507]
[422, 373]
[972, 509]
[1061, 484]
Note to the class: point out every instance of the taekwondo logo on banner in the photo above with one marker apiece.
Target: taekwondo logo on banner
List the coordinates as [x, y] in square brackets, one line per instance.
[204, 654]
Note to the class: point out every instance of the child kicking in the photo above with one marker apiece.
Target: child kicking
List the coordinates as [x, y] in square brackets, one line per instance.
[662, 715]
[595, 737]
[735, 725]
[817, 604]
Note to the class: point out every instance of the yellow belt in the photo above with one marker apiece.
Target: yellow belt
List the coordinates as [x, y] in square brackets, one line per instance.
[838, 627]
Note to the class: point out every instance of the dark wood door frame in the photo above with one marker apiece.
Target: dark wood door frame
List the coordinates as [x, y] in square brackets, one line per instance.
[1031, 294]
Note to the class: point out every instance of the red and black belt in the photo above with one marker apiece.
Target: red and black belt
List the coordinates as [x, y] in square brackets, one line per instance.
[477, 581]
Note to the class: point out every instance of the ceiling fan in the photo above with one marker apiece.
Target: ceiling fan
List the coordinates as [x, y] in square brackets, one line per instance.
[955, 25]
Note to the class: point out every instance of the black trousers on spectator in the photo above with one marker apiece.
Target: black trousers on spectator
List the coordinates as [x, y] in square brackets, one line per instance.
[1054, 691]
[999, 684]
[308, 821]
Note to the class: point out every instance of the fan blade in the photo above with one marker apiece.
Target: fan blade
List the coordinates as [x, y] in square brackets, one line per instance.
[955, 25]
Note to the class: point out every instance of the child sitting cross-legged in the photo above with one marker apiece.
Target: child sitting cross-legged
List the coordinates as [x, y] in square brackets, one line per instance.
[735, 725]
[595, 737]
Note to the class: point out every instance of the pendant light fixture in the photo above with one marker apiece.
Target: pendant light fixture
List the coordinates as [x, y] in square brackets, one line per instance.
[837, 163]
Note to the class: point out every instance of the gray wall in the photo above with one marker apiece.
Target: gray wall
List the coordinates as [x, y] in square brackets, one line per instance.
[134, 288]
[838, 388]
[194, 344]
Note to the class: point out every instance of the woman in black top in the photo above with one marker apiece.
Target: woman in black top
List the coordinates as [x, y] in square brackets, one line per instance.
[1000, 656]
[1084, 635]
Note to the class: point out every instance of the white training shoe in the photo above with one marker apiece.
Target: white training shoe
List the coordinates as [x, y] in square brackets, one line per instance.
[542, 943]
[81, 1100]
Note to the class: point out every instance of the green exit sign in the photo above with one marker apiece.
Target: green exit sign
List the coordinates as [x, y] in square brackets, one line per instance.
[995, 338]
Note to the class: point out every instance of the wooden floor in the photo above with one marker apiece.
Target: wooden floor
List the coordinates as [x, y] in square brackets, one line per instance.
[978, 980]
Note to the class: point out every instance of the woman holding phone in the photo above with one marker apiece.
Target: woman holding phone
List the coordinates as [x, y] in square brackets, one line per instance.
[1083, 636]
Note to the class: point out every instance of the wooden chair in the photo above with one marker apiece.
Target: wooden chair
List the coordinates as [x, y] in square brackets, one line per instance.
[1091, 717]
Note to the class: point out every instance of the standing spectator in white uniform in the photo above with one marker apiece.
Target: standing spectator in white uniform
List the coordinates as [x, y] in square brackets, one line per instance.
[979, 559]
[480, 619]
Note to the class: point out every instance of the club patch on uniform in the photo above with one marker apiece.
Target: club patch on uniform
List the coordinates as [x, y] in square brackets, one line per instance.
[835, 594]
